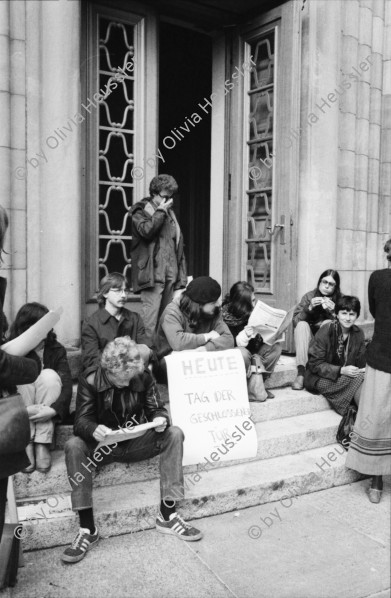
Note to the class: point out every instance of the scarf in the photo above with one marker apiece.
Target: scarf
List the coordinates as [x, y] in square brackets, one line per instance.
[340, 348]
[231, 320]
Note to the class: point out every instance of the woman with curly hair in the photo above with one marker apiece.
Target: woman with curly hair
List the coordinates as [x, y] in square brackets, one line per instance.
[370, 447]
[47, 399]
[237, 307]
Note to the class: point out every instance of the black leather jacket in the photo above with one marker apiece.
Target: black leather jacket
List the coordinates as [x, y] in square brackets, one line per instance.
[94, 403]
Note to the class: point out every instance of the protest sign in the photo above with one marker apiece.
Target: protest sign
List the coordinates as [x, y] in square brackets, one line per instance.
[209, 402]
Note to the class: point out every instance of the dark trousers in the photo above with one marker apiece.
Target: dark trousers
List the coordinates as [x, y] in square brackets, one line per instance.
[82, 459]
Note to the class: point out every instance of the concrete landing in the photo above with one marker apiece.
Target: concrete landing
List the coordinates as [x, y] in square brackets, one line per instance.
[328, 544]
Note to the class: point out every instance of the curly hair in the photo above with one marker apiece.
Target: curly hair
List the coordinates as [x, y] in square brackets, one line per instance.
[3, 229]
[163, 182]
[114, 280]
[28, 315]
[120, 355]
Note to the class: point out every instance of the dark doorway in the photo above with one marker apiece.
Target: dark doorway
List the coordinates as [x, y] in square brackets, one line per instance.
[185, 79]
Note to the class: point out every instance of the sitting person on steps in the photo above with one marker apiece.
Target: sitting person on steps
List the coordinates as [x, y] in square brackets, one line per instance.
[192, 322]
[118, 394]
[315, 309]
[110, 321]
[48, 398]
[336, 357]
[237, 307]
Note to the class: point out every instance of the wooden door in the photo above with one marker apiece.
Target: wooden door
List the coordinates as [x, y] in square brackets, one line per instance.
[263, 168]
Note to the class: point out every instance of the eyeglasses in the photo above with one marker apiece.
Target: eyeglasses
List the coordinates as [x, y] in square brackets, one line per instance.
[119, 291]
[328, 283]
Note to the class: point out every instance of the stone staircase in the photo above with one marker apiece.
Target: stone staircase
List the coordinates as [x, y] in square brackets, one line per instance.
[297, 454]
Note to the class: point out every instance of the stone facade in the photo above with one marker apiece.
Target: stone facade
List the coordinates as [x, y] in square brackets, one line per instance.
[345, 149]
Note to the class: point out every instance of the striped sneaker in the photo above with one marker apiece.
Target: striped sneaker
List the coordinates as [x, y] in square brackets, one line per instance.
[80, 545]
[177, 527]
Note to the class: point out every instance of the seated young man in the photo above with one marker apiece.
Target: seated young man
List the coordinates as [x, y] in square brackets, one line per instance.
[118, 394]
[192, 321]
[110, 321]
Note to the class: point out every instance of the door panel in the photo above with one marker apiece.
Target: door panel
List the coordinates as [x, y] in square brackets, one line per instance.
[264, 169]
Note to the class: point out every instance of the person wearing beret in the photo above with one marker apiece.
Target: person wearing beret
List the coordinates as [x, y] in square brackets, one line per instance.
[192, 322]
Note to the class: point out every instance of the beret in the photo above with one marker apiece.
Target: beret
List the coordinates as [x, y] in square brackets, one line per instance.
[203, 289]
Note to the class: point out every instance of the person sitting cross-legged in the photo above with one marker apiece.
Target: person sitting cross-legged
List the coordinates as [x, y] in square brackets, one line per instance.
[120, 393]
[110, 321]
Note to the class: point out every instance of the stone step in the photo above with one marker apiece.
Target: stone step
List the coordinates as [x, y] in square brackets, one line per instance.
[275, 437]
[287, 403]
[134, 505]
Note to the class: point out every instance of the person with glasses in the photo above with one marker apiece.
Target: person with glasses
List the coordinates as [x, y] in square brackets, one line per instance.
[315, 309]
[110, 321]
[158, 259]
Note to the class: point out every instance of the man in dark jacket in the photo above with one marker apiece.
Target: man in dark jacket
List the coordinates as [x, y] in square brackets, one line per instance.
[122, 394]
[110, 321]
[158, 259]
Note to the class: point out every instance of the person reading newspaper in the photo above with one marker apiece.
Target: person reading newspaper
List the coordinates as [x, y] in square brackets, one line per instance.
[238, 310]
[118, 394]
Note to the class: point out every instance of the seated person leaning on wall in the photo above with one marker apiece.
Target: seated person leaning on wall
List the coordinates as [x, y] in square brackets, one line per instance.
[192, 321]
[47, 399]
[315, 309]
[111, 321]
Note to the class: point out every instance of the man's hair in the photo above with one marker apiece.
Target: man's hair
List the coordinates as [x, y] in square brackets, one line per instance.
[348, 302]
[163, 182]
[117, 354]
[3, 229]
[114, 280]
[190, 309]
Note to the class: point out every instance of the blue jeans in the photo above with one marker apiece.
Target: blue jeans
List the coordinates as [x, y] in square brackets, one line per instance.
[82, 459]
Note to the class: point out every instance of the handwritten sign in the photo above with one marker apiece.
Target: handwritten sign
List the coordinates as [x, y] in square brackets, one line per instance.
[209, 401]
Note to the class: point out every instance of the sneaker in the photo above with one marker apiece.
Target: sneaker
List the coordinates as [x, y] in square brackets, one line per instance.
[83, 542]
[177, 527]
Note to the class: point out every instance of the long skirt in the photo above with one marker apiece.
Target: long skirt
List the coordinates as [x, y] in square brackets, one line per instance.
[370, 446]
[340, 392]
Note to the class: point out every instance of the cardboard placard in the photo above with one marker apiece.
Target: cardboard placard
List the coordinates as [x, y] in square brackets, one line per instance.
[209, 402]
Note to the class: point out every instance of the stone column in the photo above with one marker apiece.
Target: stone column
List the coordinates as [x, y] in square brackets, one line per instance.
[53, 160]
[319, 142]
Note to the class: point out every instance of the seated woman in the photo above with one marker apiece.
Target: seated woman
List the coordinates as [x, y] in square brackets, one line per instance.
[47, 399]
[237, 307]
[336, 357]
[315, 309]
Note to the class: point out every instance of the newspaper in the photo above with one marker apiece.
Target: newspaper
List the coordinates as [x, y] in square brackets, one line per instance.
[270, 322]
[26, 342]
[127, 433]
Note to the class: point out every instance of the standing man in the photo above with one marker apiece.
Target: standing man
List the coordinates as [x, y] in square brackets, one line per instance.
[192, 322]
[121, 393]
[158, 259]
